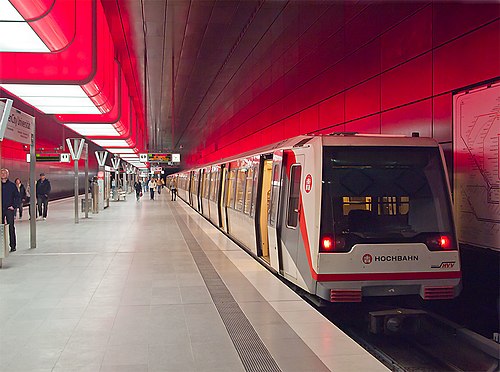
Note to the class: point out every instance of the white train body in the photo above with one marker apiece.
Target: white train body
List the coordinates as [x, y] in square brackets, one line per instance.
[342, 217]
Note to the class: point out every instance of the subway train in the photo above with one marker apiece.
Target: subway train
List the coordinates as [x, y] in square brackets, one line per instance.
[342, 216]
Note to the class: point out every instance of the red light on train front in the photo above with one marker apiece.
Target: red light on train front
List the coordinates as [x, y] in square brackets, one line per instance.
[331, 244]
[439, 242]
[327, 243]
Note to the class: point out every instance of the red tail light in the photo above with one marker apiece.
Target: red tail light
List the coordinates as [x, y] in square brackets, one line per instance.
[439, 242]
[331, 243]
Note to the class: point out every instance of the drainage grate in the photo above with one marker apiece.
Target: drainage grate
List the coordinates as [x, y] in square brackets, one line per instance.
[252, 351]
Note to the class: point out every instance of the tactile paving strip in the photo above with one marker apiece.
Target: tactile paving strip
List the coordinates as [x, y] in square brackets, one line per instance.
[252, 351]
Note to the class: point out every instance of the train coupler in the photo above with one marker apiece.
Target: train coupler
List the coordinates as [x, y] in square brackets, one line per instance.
[395, 321]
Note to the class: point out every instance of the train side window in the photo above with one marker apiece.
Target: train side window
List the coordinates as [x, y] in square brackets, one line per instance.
[213, 184]
[254, 188]
[274, 195]
[240, 189]
[248, 190]
[231, 182]
[293, 198]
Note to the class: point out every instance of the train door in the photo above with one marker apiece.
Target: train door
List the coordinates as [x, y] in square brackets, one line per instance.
[222, 199]
[273, 212]
[191, 186]
[290, 231]
[201, 190]
[263, 208]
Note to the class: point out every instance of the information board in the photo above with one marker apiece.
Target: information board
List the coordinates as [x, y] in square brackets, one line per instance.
[476, 137]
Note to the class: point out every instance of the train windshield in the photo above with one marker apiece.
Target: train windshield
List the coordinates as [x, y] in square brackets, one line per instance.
[384, 193]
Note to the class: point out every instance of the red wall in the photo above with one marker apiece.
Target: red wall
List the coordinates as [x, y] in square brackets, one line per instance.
[371, 68]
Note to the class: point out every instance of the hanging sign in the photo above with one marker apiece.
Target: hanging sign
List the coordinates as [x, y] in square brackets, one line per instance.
[116, 163]
[160, 157]
[75, 146]
[15, 124]
[101, 157]
[65, 158]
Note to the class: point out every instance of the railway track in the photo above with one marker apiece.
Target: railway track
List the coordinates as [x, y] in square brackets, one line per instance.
[415, 340]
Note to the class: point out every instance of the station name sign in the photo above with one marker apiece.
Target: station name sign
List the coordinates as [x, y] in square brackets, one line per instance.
[14, 124]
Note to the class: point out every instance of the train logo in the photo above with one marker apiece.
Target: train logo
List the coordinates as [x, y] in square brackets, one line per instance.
[367, 259]
[308, 183]
[444, 265]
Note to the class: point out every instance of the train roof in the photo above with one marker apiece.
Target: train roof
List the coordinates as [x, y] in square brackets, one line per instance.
[334, 139]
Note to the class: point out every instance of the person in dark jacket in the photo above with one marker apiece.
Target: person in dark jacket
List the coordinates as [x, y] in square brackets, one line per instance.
[22, 195]
[42, 195]
[138, 189]
[10, 201]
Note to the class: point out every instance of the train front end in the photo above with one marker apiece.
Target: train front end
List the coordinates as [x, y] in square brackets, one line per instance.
[386, 221]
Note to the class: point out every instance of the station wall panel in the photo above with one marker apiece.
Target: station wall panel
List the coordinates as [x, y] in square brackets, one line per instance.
[373, 68]
[408, 82]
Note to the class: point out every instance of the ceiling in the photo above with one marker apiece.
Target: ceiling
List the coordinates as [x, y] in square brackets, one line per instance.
[186, 53]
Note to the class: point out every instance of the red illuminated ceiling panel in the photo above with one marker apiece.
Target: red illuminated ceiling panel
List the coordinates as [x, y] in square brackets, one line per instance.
[79, 79]
[117, 125]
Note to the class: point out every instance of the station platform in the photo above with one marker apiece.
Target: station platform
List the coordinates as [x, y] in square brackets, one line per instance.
[153, 286]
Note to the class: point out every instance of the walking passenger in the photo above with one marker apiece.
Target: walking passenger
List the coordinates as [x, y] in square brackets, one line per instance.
[138, 189]
[22, 194]
[42, 195]
[10, 201]
[159, 185]
[152, 186]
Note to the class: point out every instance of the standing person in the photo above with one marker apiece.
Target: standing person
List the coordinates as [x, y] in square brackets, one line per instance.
[152, 186]
[138, 189]
[42, 195]
[10, 201]
[22, 194]
[173, 190]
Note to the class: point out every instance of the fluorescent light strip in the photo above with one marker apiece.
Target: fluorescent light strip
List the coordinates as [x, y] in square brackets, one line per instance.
[121, 151]
[111, 143]
[93, 129]
[43, 90]
[20, 37]
[54, 99]
[17, 34]
[8, 12]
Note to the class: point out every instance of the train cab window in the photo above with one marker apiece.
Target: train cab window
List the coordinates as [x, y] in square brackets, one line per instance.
[248, 190]
[384, 194]
[240, 189]
[231, 183]
[293, 198]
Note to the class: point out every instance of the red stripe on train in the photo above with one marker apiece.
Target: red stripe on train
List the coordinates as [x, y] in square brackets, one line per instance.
[386, 276]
